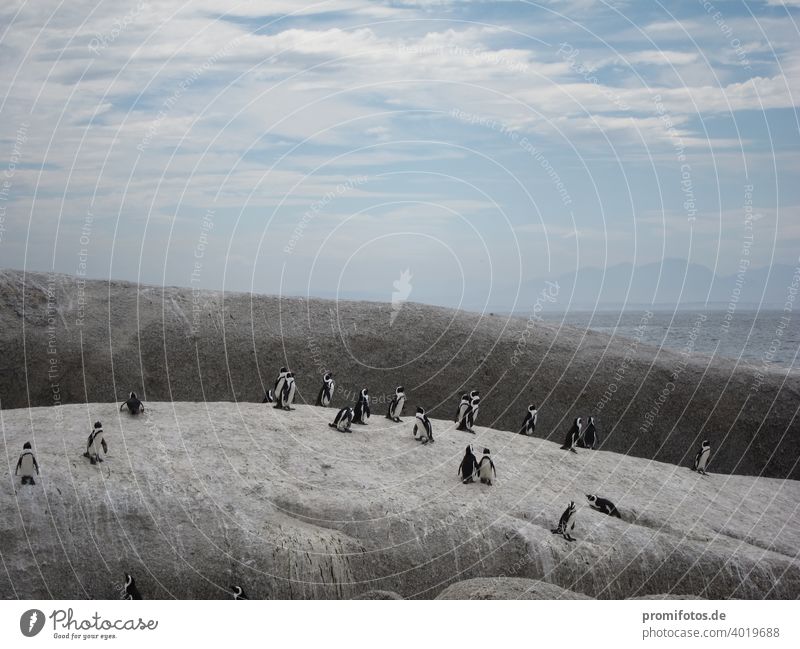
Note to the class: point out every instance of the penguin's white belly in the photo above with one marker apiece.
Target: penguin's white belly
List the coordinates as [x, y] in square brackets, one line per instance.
[96, 446]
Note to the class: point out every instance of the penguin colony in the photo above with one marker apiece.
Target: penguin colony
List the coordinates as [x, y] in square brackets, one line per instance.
[283, 393]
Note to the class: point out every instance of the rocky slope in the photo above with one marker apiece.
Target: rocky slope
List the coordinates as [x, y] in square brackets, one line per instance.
[67, 341]
[196, 496]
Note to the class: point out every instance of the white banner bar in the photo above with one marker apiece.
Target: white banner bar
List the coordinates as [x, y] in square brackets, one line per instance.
[401, 624]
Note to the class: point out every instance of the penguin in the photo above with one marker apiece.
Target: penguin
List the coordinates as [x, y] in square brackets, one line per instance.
[396, 404]
[588, 438]
[280, 382]
[95, 442]
[286, 395]
[567, 522]
[27, 464]
[326, 391]
[701, 459]
[131, 592]
[486, 471]
[361, 410]
[133, 405]
[269, 396]
[238, 592]
[343, 420]
[468, 468]
[572, 436]
[472, 411]
[603, 505]
[461, 412]
[423, 431]
[529, 425]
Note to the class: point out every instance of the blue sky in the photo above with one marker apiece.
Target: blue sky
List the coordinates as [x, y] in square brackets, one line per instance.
[326, 147]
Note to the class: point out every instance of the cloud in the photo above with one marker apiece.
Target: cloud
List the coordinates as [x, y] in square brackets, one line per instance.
[177, 106]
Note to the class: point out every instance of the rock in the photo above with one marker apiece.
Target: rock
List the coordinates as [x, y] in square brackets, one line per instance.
[506, 588]
[195, 496]
[90, 338]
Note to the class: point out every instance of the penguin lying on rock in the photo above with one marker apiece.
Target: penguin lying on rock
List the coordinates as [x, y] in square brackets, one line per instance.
[343, 420]
[603, 505]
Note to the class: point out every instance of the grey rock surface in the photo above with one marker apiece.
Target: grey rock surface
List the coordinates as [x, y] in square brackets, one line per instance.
[195, 496]
[93, 341]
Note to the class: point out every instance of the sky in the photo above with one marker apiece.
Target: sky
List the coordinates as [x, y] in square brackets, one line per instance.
[447, 151]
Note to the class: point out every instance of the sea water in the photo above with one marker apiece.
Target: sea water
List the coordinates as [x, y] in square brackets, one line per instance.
[748, 336]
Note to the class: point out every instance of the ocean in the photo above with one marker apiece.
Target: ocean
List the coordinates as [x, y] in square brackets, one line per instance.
[765, 336]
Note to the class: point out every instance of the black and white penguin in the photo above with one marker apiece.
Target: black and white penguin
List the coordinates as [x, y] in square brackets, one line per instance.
[588, 438]
[269, 396]
[130, 591]
[423, 431]
[486, 471]
[529, 425]
[602, 505]
[133, 405]
[280, 382]
[472, 411]
[238, 592]
[396, 404]
[27, 464]
[461, 411]
[326, 391]
[343, 420]
[573, 435]
[468, 468]
[286, 395]
[96, 442]
[701, 459]
[567, 522]
[361, 410]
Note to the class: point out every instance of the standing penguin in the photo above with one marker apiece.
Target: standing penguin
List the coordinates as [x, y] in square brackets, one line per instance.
[133, 405]
[280, 382]
[529, 425]
[269, 396]
[701, 459]
[326, 391]
[472, 412]
[603, 505]
[361, 410]
[396, 404]
[423, 431]
[343, 420]
[131, 592]
[461, 411]
[486, 471]
[286, 395]
[588, 438]
[27, 464]
[468, 468]
[238, 593]
[95, 442]
[573, 435]
[567, 522]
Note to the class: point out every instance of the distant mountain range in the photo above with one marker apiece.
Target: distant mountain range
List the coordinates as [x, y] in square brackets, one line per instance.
[667, 285]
